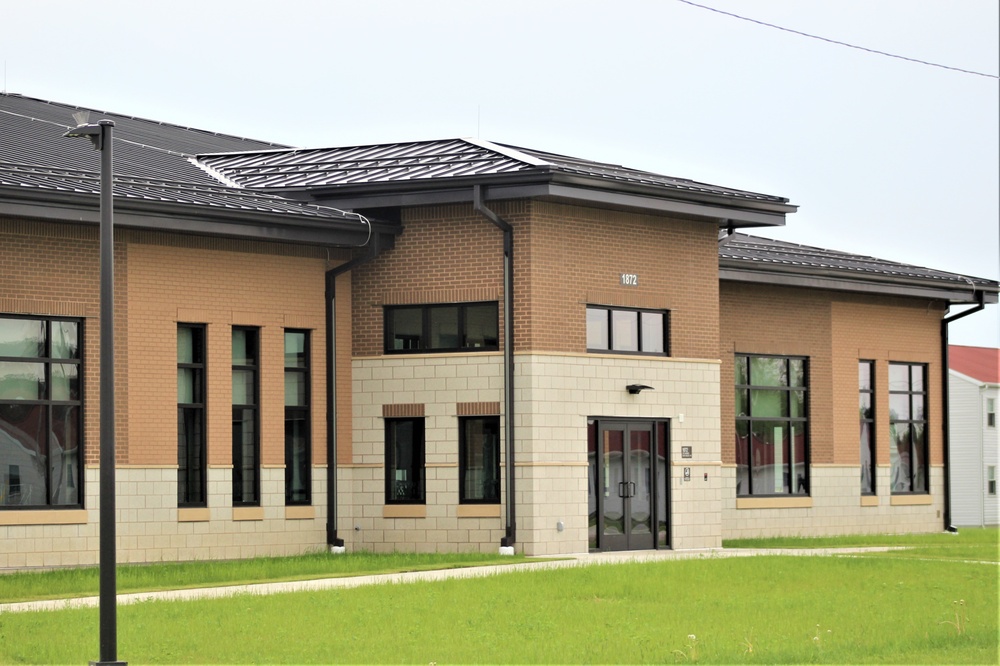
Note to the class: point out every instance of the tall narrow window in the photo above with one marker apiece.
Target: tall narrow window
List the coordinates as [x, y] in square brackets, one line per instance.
[297, 432]
[771, 437]
[41, 412]
[191, 460]
[404, 461]
[991, 413]
[991, 480]
[246, 442]
[908, 427]
[479, 460]
[866, 415]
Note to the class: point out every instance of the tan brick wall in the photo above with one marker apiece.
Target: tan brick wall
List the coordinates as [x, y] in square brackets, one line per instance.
[54, 269]
[163, 279]
[565, 257]
[834, 330]
[446, 254]
[220, 283]
[576, 256]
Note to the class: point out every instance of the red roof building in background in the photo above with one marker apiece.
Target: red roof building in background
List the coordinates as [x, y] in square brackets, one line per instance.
[982, 363]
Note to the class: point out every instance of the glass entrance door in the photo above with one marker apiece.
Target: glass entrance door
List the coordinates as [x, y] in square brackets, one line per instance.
[628, 484]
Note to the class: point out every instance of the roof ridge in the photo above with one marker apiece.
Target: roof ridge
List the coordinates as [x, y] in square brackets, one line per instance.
[513, 152]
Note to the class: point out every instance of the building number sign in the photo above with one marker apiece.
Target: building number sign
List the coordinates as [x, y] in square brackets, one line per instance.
[630, 280]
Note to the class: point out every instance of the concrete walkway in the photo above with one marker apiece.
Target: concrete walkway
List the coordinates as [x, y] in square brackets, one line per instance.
[576, 560]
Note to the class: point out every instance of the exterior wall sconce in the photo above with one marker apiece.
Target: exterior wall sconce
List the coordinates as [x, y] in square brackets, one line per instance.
[637, 388]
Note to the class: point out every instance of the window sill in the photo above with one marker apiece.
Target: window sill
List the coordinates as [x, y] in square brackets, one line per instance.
[910, 500]
[44, 517]
[478, 511]
[404, 511]
[248, 513]
[194, 515]
[869, 500]
[299, 513]
[774, 502]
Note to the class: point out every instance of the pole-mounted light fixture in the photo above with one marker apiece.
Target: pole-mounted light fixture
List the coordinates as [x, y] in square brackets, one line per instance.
[633, 389]
[101, 134]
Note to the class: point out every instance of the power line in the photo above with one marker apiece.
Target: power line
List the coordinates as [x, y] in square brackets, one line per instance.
[834, 41]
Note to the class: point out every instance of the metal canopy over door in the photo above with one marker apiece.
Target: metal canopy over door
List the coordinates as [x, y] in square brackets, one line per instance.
[628, 484]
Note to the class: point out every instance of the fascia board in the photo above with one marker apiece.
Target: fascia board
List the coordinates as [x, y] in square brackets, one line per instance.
[884, 287]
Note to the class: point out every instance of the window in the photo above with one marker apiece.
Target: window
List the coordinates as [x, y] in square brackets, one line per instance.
[866, 415]
[41, 419]
[441, 328]
[991, 480]
[771, 426]
[404, 461]
[627, 331]
[298, 487]
[991, 413]
[479, 460]
[908, 427]
[246, 443]
[191, 462]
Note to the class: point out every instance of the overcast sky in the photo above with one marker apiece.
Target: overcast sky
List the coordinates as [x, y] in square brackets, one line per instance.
[883, 156]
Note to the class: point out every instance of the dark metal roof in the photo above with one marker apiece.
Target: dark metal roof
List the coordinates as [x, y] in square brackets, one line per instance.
[175, 192]
[751, 258]
[153, 164]
[436, 161]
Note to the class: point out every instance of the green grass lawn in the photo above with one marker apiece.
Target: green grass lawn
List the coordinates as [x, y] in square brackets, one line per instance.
[937, 608]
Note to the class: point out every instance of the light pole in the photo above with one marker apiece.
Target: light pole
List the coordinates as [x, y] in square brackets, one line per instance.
[101, 134]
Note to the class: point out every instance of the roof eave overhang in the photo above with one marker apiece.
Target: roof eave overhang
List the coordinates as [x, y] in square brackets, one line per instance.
[723, 211]
[885, 286]
[83, 208]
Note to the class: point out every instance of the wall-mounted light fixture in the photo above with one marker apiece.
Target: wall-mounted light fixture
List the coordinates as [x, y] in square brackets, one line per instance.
[637, 388]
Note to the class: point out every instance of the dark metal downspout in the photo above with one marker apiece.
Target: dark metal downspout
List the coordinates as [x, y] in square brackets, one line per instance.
[945, 406]
[331, 386]
[508, 356]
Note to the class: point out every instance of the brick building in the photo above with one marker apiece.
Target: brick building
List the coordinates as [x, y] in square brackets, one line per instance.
[493, 346]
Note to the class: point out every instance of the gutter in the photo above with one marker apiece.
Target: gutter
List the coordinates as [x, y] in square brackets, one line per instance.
[335, 543]
[981, 304]
[510, 537]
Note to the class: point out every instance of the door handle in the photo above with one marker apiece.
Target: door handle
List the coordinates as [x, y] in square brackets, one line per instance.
[631, 490]
[621, 489]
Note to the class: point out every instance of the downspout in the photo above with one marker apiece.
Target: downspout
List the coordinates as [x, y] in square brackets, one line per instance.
[510, 538]
[945, 407]
[332, 540]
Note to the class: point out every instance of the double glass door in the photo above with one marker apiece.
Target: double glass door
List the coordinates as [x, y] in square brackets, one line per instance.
[628, 484]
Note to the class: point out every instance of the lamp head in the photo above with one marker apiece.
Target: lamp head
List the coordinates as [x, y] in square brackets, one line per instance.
[637, 388]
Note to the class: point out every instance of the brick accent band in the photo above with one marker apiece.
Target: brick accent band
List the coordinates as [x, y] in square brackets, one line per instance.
[402, 411]
[477, 408]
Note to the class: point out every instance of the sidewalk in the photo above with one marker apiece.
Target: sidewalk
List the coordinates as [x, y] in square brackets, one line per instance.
[575, 560]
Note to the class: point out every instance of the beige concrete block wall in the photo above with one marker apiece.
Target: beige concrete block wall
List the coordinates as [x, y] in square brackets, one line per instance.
[555, 395]
[837, 507]
[437, 382]
[150, 528]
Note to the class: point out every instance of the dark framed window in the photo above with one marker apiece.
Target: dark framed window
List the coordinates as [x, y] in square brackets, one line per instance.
[627, 331]
[191, 453]
[908, 428]
[246, 417]
[866, 416]
[991, 480]
[479, 460]
[991, 413]
[298, 459]
[405, 472]
[772, 445]
[41, 412]
[441, 328]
